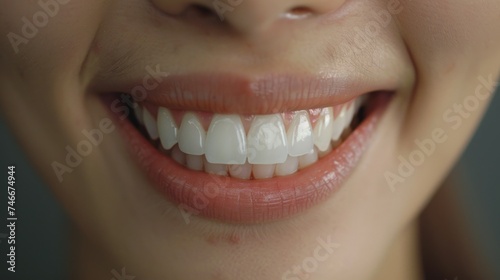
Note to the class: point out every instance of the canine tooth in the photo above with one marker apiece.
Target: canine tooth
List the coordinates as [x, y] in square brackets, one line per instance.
[241, 171]
[290, 166]
[226, 140]
[338, 124]
[150, 124]
[266, 140]
[213, 168]
[308, 159]
[323, 129]
[300, 140]
[194, 162]
[192, 135]
[167, 129]
[178, 155]
[263, 171]
[138, 113]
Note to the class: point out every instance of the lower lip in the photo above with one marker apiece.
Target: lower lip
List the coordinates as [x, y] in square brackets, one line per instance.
[231, 200]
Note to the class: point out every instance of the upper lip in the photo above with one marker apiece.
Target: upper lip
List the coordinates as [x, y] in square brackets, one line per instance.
[267, 94]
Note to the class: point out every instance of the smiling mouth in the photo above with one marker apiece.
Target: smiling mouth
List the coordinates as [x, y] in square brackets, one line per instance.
[248, 146]
[210, 157]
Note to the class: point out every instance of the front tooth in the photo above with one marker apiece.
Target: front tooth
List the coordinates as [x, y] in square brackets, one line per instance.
[263, 171]
[241, 171]
[192, 135]
[226, 141]
[194, 162]
[348, 116]
[323, 129]
[212, 168]
[267, 142]
[290, 166]
[300, 140]
[308, 159]
[338, 124]
[150, 124]
[167, 128]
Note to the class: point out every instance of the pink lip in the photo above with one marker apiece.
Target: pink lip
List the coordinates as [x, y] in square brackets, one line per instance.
[232, 200]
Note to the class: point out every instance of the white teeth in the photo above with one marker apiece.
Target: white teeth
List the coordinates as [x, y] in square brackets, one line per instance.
[338, 124]
[349, 115]
[194, 162]
[308, 159]
[323, 129]
[138, 113]
[241, 171]
[267, 150]
[167, 128]
[290, 166]
[192, 135]
[263, 171]
[226, 141]
[300, 140]
[267, 142]
[150, 124]
[212, 168]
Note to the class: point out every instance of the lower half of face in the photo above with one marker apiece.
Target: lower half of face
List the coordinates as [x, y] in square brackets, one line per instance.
[246, 140]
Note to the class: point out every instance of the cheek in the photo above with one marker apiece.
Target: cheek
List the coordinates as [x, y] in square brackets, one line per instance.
[461, 29]
[45, 45]
[454, 47]
[50, 36]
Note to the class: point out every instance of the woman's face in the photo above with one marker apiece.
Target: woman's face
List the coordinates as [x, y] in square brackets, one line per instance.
[70, 69]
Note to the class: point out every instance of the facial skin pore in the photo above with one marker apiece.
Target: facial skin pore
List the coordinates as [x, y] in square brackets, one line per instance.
[442, 56]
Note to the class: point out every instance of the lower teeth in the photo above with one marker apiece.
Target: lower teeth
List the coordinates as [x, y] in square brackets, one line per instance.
[247, 170]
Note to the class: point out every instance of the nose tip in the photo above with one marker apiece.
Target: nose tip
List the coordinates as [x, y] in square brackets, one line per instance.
[259, 15]
[253, 16]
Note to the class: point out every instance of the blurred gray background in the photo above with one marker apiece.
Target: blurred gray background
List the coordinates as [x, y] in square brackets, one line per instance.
[42, 235]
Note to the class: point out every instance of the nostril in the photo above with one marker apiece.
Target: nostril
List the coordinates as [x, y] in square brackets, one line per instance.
[298, 12]
[200, 12]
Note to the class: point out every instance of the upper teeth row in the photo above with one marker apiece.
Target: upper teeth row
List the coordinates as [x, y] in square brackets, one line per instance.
[267, 141]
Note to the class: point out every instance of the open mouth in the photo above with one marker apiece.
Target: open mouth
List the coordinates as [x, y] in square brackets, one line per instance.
[249, 168]
[248, 146]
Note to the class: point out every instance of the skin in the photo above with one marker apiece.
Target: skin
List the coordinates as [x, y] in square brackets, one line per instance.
[435, 50]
